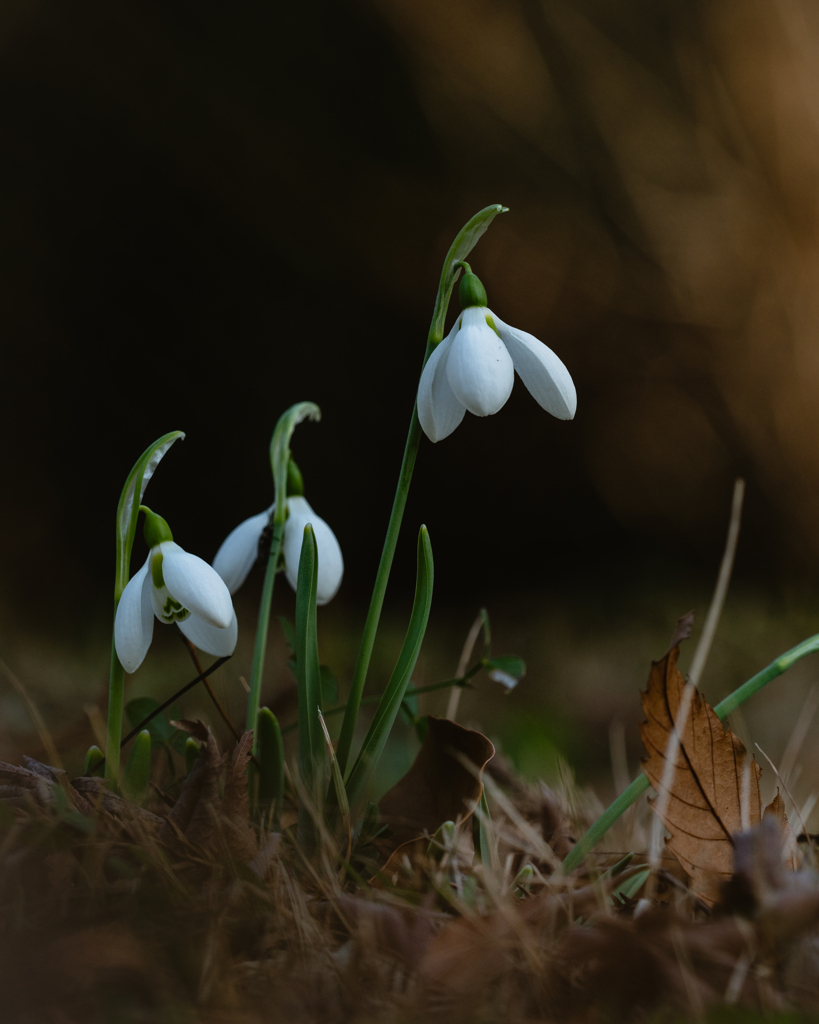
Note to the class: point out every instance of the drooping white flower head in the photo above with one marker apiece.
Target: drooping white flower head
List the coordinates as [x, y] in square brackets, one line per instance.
[474, 368]
[240, 549]
[175, 587]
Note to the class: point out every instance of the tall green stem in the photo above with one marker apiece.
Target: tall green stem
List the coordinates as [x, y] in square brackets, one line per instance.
[639, 786]
[365, 649]
[127, 511]
[260, 646]
[464, 242]
[116, 703]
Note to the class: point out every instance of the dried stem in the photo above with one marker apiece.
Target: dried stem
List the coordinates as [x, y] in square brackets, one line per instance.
[198, 664]
[697, 665]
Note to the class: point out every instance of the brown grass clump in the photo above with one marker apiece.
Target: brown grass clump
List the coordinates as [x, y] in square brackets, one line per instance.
[189, 910]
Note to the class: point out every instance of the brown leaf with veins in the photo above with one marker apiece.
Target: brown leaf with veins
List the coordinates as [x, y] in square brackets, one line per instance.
[704, 808]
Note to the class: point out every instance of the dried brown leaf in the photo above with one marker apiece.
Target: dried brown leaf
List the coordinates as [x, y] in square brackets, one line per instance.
[240, 837]
[438, 787]
[235, 801]
[195, 812]
[776, 810]
[682, 631]
[704, 808]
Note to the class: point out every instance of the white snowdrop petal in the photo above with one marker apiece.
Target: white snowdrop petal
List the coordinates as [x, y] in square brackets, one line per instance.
[196, 585]
[439, 411]
[239, 551]
[330, 561]
[134, 621]
[211, 639]
[543, 373]
[479, 369]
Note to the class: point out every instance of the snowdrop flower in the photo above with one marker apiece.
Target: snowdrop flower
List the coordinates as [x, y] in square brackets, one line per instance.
[473, 368]
[239, 551]
[175, 587]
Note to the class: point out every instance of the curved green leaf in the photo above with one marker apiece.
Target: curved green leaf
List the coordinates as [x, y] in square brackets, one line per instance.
[270, 749]
[390, 703]
[280, 449]
[464, 243]
[129, 502]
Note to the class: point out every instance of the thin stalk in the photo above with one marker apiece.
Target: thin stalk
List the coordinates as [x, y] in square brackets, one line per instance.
[260, 646]
[697, 665]
[365, 649]
[116, 706]
[461, 247]
[641, 784]
[461, 681]
[198, 666]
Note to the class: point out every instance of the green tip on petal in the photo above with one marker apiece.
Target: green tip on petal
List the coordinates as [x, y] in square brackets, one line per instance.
[155, 530]
[295, 481]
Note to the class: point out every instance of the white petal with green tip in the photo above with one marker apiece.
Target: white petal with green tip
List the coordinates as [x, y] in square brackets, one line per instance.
[196, 585]
[134, 622]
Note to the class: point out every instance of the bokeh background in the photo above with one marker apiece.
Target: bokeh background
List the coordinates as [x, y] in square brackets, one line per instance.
[210, 211]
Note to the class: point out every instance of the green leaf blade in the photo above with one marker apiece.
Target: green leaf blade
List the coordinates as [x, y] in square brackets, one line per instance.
[131, 498]
[308, 672]
[280, 450]
[390, 703]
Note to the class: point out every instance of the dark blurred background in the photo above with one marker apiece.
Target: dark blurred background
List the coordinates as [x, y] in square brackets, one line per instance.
[210, 211]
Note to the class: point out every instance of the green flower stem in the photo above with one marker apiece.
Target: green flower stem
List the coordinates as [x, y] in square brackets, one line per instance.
[127, 512]
[116, 706]
[464, 242]
[641, 783]
[260, 646]
[376, 697]
[365, 649]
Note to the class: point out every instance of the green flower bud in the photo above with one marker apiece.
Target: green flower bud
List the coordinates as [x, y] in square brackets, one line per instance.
[155, 530]
[470, 290]
[295, 482]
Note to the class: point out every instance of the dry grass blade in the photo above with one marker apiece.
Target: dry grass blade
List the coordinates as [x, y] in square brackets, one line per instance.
[704, 802]
[463, 664]
[37, 718]
[699, 659]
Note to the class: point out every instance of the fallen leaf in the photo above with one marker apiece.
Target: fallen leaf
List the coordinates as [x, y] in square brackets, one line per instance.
[438, 787]
[704, 808]
[240, 837]
[776, 810]
[194, 813]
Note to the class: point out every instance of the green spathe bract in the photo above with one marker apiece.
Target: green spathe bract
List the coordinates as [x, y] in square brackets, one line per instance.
[127, 510]
[279, 464]
[464, 243]
[390, 703]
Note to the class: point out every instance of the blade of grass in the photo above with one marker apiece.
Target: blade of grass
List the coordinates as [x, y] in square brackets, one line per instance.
[338, 784]
[389, 705]
[308, 680]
